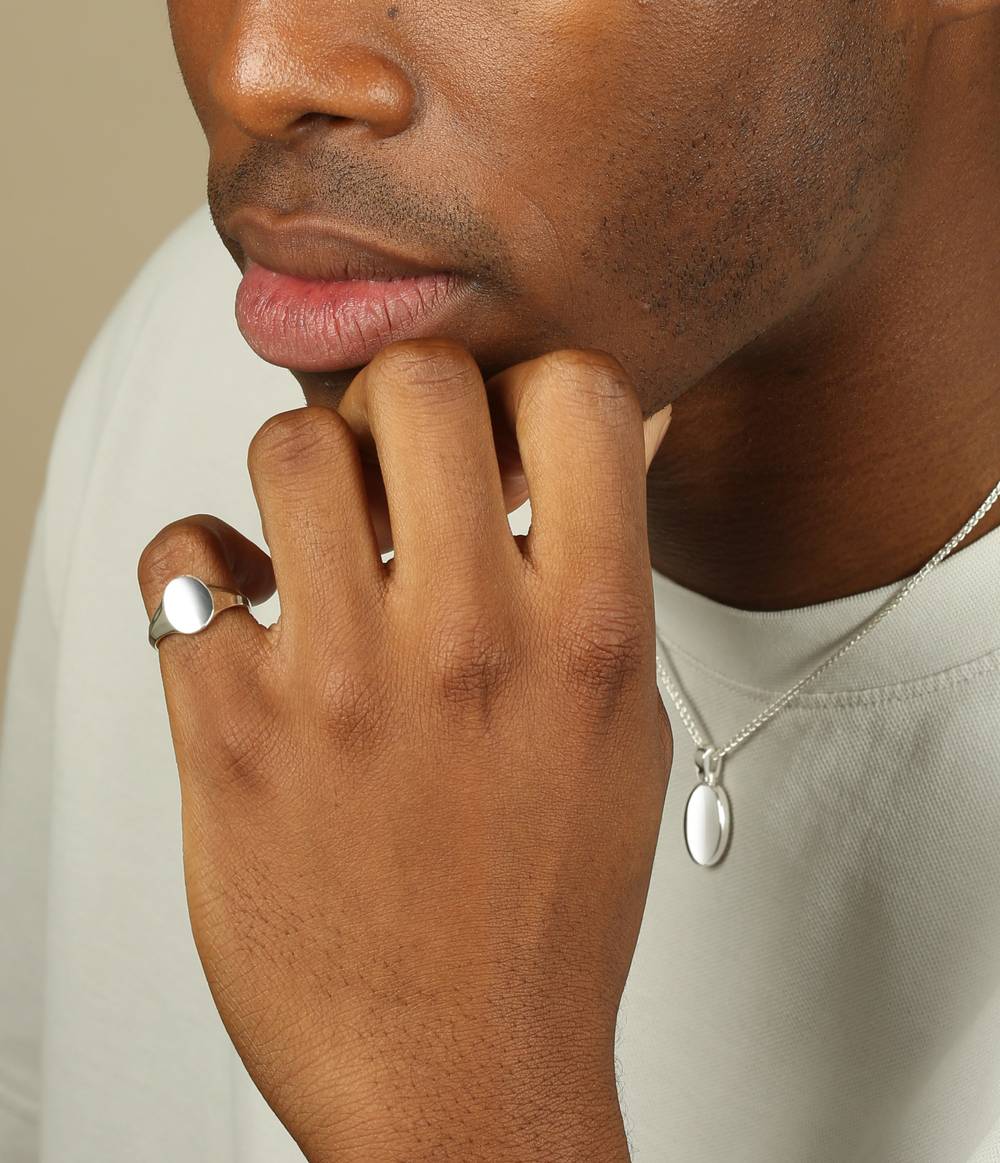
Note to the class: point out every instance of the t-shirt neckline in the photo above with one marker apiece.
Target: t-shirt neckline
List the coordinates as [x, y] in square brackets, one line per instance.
[950, 618]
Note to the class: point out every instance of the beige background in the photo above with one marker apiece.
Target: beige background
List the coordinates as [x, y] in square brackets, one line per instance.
[103, 156]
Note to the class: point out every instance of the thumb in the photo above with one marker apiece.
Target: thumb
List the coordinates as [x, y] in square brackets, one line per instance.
[654, 428]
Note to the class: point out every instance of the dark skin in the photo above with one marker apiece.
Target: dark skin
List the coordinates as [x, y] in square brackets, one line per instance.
[789, 222]
[420, 811]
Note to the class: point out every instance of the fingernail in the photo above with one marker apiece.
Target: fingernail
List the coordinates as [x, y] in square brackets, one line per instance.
[655, 430]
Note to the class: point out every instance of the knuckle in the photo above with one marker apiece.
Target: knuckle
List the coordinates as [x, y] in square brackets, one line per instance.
[284, 440]
[424, 363]
[175, 549]
[591, 373]
[601, 645]
[245, 741]
[352, 703]
[468, 660]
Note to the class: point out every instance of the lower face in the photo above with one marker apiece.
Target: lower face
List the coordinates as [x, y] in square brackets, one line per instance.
[666, 182]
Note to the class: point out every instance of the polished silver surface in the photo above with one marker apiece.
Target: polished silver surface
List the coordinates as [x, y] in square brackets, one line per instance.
[706, 824]
[189, 605]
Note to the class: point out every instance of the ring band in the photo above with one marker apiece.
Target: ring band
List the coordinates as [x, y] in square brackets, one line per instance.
[189, 605]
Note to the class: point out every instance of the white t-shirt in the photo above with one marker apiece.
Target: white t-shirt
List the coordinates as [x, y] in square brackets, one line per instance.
[829, 993]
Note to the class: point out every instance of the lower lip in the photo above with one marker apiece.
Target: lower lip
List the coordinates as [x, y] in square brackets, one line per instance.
[313, 325]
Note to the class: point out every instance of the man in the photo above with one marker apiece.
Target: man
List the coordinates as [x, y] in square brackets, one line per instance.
[415, 914]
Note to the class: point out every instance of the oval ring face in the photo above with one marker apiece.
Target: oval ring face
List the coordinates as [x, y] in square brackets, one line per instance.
[188, 604]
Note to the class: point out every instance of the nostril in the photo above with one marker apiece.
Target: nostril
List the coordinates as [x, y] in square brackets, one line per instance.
[308, 118]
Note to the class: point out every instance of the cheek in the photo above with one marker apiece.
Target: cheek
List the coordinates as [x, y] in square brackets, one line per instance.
[716, 169]
[198, 30]
[640, 130]
[183, 16]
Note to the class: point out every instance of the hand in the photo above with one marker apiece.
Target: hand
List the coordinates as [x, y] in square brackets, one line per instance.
[420, 810]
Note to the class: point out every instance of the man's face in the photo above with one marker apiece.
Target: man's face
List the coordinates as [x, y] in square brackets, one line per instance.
[667, 180]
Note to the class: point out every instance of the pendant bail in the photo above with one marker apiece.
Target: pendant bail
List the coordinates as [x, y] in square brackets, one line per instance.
[709, 764]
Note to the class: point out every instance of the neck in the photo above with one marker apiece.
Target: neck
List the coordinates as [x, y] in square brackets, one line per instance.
[842, 449]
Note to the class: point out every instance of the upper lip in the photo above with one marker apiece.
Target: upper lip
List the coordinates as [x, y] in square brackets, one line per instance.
[311, 248]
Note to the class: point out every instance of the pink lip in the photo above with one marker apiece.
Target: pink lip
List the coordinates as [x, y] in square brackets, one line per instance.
[320, 325]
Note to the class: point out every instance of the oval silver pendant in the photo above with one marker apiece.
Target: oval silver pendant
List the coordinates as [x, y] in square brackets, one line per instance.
[706, 824]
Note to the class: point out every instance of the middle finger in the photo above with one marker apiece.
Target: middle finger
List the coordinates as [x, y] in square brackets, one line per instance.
[429, 418]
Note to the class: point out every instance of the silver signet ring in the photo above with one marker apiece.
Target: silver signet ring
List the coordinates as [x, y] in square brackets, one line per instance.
[189, 605]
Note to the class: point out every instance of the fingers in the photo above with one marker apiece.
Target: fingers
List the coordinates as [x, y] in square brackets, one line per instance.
[218, 664]
[307, 477]
[426, 409]
[585, 450]
[654, 429]
[426, 459]
[353, 407]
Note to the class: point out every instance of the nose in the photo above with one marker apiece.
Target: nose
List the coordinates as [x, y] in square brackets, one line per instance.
[277, 74]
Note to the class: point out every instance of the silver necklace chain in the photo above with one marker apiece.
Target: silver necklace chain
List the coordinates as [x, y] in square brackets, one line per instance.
[709, 758]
